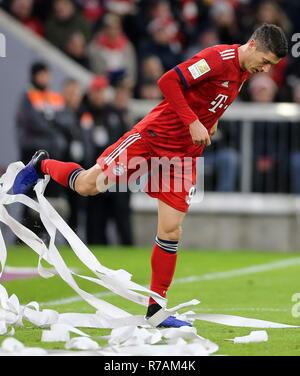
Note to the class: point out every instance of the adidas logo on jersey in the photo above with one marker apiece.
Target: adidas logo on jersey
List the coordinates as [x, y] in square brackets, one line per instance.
[227, 54]
[225, 84]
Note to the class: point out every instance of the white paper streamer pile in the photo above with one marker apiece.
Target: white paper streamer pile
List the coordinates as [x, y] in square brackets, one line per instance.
[117, 281]
[126, 337]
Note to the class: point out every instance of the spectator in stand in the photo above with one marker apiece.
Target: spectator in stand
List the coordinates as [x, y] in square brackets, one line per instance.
[293, 72]
[76, 49]
[262, 88]
[151, 68]
[164, 36]
[207, 38]
[193, 16]
[118, 118]
[221, 159]
[271, 12]
[69, 123]
[64, 22]
[91, 114]
[150, 72]
[36, 116]
[92, 10]
[162, 44]
[105, 123]
[161, 15]
[266, 158]
[292, 11]
[38, 128]
[22, 10]
[224, 20]
[190, 16]
[149, 90]
[42, 9]
[121, 7]
[120, 104]
[295, 146]
[68, 119]
[111, 53]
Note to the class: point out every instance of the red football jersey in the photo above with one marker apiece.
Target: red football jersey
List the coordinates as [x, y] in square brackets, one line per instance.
[210, 81]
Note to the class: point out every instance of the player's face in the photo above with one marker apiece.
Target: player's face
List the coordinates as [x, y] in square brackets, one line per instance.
[260, 61]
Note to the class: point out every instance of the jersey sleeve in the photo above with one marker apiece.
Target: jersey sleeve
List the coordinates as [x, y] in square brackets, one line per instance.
[205, 65]
[172, 90]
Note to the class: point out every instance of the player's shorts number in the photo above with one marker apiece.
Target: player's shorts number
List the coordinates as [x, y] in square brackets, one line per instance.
[192, 193]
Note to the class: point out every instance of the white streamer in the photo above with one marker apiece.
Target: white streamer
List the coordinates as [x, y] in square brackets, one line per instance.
[12, 347]
[117, 281]
[126, 337]
[239, 321]
[82, 343]
[255, 336]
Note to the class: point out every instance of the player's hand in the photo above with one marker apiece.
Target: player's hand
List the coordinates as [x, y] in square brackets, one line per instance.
[214, 129]
[199, 133]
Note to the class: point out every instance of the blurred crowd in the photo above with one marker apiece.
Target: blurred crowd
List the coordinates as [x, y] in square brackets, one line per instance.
[140, 39]
[78, 126]
[128, 45]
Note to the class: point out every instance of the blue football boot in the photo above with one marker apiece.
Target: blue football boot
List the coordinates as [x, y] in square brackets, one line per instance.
[170, 322]
[30, 174]
[173, 322]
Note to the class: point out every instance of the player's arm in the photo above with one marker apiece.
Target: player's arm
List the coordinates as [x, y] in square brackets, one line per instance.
[214, 129]
[171, 87]
[174, 83]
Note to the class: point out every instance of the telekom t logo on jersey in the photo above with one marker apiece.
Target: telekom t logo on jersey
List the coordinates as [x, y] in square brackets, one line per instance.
[219, 102]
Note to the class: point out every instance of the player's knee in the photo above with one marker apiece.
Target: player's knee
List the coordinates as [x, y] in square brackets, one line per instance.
[86, 189]
[82, 191]
[178, 233]
[172, 232]
[86, 183]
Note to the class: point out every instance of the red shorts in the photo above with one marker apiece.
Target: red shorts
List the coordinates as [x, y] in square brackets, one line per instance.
[131, 161]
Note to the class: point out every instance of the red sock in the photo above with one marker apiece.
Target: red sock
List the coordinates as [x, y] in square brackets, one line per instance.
[163, 268]
[60, 171]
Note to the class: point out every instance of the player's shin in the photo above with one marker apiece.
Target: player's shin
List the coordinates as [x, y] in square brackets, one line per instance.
[63, 173]
[163, 264]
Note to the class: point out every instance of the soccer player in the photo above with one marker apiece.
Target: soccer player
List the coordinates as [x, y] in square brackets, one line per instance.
[196, 94]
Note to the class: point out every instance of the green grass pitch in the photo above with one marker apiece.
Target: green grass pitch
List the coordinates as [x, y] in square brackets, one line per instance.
[264, 295]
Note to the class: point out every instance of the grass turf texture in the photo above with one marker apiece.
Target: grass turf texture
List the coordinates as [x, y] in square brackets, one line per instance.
[264, 295]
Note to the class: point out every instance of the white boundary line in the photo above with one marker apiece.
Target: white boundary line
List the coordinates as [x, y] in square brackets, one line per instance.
[244, 309]
[20, 270]
[205, 277]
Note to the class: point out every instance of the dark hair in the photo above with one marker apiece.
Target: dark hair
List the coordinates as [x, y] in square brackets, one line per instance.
[37, 67]
[271, 38]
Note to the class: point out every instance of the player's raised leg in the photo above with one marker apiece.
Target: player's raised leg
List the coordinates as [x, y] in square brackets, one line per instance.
[68, 174]
[164, 258]
[71, 175]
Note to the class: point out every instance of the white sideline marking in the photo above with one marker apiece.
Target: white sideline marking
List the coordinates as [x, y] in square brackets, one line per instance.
[205, 277]
[244, 309]
[240, 272]
[19, 270]
[74, 299]
[215, 310]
